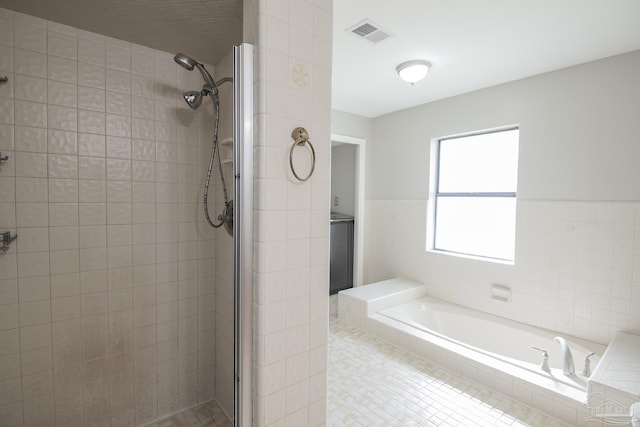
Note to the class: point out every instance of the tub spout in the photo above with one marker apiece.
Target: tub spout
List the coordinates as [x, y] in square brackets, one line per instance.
[567, 357]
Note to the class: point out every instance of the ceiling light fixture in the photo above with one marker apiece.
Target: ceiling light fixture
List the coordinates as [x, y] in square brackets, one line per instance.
[413, 71]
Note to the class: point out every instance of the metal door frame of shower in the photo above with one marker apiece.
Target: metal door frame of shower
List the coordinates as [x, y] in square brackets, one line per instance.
[243, 233]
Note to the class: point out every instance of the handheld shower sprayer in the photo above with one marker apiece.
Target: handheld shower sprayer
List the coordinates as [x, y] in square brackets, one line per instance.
[193, 98]
[189, 63]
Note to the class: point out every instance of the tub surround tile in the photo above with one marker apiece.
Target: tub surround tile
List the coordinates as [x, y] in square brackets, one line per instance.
[573, 274]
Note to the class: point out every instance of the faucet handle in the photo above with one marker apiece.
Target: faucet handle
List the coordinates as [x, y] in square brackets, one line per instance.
[586, 370]
[544, 365]
[544, 352]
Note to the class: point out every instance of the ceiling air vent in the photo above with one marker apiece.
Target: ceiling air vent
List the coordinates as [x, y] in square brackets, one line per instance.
[369, 31]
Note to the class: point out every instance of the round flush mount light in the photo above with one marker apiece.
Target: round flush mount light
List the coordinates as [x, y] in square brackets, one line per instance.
[413, 71]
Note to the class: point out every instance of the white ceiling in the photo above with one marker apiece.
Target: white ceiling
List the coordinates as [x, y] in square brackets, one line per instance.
[472, 44]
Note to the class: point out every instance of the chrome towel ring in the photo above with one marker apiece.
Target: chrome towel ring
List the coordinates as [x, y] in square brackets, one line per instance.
[301, 138]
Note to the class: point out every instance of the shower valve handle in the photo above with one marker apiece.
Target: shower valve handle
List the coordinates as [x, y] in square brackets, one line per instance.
[5, 240]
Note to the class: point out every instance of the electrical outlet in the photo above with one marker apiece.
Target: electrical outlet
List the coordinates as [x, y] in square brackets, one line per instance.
[336, 200]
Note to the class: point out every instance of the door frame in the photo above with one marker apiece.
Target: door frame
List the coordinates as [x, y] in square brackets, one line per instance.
[359, 217]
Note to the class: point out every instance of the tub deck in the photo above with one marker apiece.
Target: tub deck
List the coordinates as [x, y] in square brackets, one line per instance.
[355, 305]
[617, 376]
[360, 307]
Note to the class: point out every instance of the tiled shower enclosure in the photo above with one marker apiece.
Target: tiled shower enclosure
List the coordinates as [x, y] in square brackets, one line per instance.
[108, 294]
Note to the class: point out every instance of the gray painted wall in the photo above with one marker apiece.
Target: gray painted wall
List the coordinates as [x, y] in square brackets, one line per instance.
[577, 134]
[343, 178]
[347, 124]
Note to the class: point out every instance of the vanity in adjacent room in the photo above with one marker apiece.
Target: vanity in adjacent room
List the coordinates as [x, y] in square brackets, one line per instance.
[341, 258]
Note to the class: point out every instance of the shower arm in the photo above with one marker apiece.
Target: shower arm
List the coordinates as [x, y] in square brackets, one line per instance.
[224, 80]
[208, 78]
[208, 89]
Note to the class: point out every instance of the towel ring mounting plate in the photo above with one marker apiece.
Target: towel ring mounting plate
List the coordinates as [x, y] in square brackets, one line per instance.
[300, 137]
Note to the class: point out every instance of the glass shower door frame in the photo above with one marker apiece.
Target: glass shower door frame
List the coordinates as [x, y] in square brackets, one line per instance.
[243, 233]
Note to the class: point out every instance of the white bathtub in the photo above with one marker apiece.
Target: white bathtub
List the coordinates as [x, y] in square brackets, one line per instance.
[494, 341]
[490, 349]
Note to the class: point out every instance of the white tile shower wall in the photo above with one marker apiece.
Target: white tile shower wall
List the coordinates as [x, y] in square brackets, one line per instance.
[577, 268]
[293, 88]
[106, 298]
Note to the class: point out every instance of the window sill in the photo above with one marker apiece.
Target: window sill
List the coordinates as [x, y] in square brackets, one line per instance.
[473, 257]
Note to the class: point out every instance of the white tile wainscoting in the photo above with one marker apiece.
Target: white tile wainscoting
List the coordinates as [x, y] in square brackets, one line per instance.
[576, 270]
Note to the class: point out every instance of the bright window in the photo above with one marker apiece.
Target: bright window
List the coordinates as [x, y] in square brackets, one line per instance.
[475, 198]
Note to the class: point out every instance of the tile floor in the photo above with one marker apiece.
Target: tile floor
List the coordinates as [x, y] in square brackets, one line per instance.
[373, 383]
[206, 415]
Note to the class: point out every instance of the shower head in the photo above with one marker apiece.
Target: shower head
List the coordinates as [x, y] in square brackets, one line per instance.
[189, 63]
[193, 98]
[184, 61]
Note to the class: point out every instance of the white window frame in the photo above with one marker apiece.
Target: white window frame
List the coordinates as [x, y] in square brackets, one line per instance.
[434, 194]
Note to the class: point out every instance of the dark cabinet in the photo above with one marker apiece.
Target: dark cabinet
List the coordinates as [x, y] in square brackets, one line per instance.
[341, 256]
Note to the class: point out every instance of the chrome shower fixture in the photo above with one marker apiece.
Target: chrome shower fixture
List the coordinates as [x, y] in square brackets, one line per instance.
[193, 98]
[185, 61]
[189, 63]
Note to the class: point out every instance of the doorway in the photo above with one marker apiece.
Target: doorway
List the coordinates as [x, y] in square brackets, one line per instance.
[356, 202]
